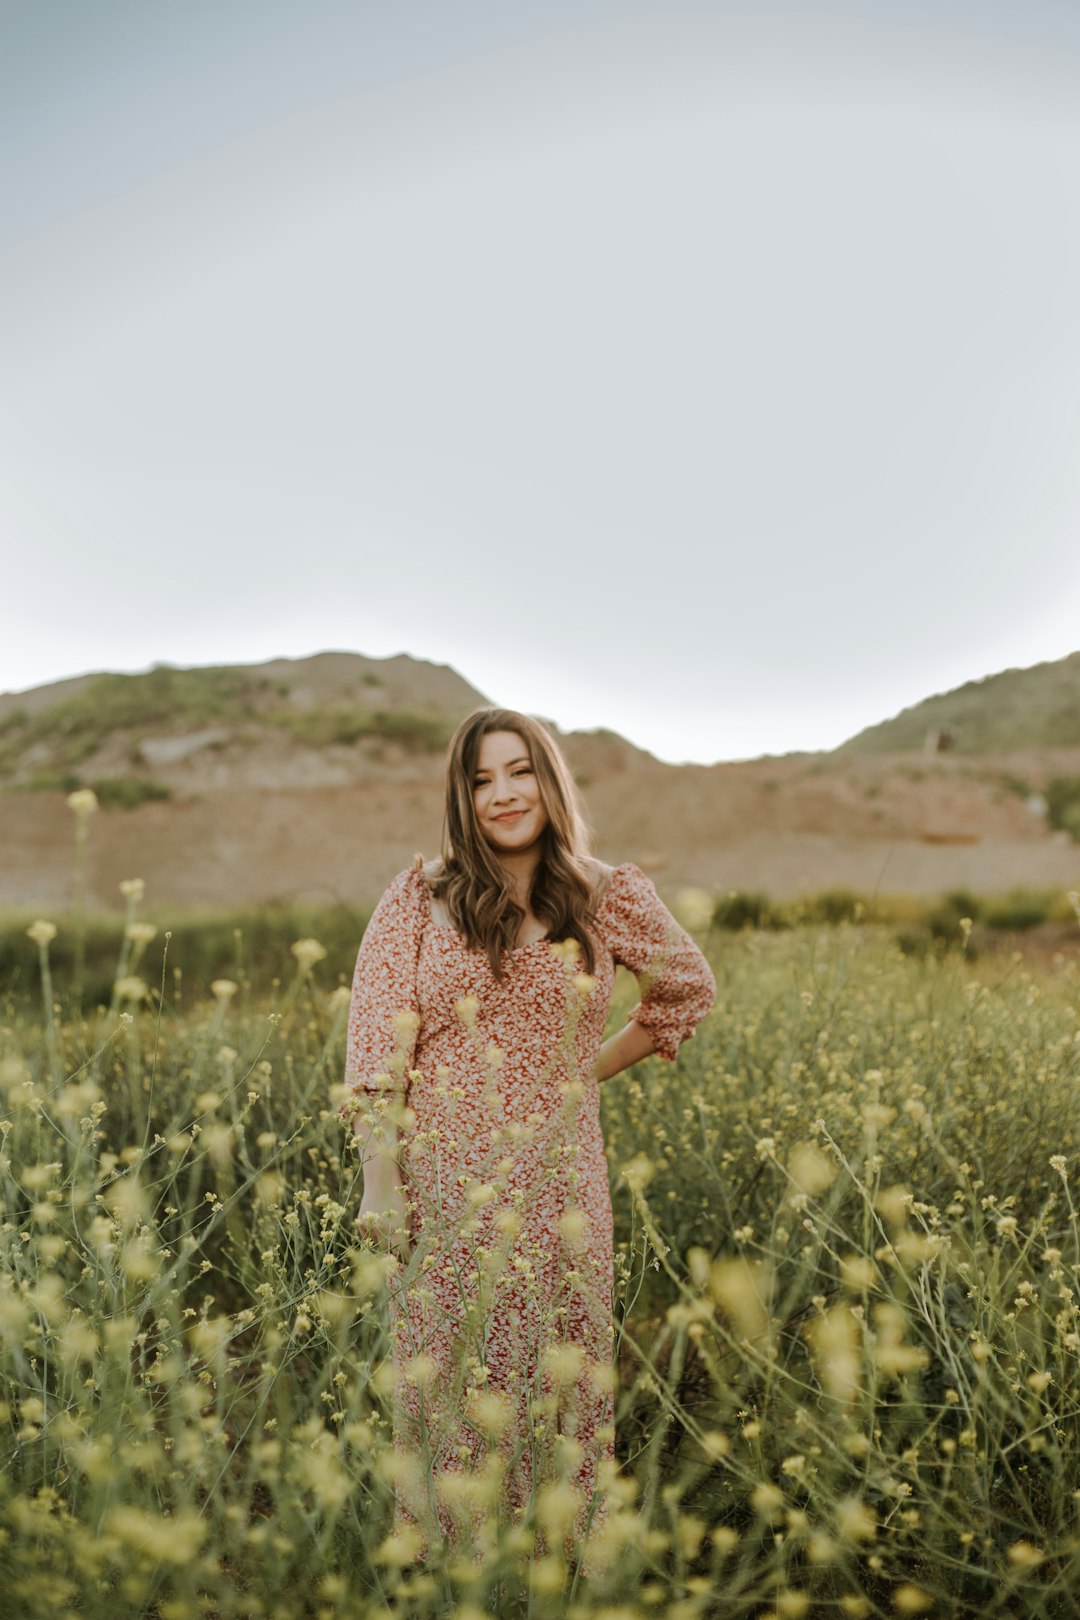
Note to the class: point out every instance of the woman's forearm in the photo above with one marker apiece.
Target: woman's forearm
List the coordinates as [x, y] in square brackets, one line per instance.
[378, 1136]
[383, 1216]
[630, 1045]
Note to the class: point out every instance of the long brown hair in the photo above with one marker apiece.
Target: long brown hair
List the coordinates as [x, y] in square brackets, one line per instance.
[470, 879]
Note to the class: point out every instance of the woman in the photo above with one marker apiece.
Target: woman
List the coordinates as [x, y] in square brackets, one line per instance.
[478, 1005]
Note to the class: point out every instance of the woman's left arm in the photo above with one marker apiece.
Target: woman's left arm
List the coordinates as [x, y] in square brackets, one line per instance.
[678, 985]
[619, 1051]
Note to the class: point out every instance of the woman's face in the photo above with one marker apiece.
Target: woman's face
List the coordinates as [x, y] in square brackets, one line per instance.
[506, 795]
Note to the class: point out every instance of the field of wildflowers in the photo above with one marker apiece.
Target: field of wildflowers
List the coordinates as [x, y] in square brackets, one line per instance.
[847, 1326]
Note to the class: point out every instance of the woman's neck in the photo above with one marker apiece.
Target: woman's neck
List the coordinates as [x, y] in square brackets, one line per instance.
[520, 867]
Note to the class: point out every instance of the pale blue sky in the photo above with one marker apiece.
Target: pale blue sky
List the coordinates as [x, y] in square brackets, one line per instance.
[707, 372]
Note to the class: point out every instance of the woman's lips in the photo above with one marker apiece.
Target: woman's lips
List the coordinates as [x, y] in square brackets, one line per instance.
[513, 815]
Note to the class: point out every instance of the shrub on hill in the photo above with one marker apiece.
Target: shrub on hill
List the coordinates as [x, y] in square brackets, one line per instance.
[1063, 805]
[126, 792]
[113, 792]
[344, 725]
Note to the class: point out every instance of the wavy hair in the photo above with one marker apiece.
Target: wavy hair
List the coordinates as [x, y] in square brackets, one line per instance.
[470, 879]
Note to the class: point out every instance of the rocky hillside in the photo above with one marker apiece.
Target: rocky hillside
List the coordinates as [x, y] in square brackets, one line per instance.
[324, 721]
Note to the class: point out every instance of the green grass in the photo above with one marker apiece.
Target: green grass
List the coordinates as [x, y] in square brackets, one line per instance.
[847, 1327]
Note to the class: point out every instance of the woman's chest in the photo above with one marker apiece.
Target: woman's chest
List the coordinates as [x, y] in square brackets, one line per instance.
[544, 989]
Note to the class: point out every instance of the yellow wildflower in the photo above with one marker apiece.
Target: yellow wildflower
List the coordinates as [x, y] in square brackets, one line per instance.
[84, 801]
[854, 1520]
[307, 953]
[1025, 1555]
[910, 1599]
[810, 1170]
[564, 1362]
[638, 1171]
[834, 1341]
[743, 1289]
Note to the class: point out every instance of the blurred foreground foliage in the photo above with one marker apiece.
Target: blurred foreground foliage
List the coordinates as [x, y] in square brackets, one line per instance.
[846, 1279]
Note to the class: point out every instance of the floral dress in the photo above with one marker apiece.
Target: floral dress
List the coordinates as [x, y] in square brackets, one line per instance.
[501, 1315]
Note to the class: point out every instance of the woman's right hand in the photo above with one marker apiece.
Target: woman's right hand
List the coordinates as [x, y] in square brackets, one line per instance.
[383, 1216]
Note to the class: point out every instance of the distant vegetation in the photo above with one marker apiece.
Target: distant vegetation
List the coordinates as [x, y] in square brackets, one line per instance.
[921, 926]
[1018, 708]
[113, 792]
[321, 727]
[127, 792]
[251, 944]
[248, 944]
[180, 699]
[71, 731]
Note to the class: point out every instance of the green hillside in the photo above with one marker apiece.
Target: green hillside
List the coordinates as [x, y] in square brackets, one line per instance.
[51, 735]
[1018, 708]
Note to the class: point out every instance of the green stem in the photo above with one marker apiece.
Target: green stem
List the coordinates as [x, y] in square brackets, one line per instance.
[51, 1042]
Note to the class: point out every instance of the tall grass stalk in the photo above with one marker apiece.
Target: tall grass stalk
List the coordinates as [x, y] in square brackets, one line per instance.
[83, 803]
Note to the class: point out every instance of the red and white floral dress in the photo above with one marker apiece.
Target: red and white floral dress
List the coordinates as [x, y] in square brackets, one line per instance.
[501, 1316]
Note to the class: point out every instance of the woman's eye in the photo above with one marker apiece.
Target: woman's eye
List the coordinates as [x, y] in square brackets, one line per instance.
[522, 770]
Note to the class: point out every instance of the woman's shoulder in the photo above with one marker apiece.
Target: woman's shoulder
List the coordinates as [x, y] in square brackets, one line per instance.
[624, 886]
[599, 872]
[409, 885]
[605, 879]
[426, 872]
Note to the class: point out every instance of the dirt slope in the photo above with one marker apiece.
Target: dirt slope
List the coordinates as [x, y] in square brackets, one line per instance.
[258, 813]
[784, 826]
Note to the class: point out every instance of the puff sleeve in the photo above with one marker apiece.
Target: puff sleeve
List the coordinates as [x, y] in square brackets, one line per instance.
[677, 984]
[384, 1012]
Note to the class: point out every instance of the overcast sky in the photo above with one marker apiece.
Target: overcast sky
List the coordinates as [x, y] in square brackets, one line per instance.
[707, 372]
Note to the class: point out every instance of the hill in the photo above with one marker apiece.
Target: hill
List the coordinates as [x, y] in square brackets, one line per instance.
[316, 779]
[1037, 707]
[327, 719]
